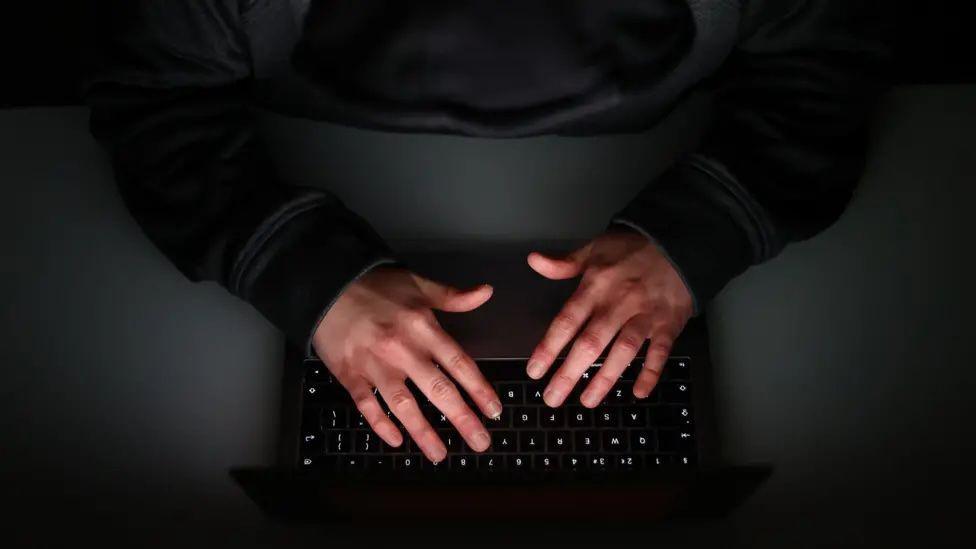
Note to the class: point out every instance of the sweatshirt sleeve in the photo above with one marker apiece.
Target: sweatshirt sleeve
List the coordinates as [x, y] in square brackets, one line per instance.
[786, 146]
[170, 101]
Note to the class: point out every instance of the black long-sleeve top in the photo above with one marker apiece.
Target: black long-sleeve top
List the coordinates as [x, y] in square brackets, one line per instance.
[174, 82]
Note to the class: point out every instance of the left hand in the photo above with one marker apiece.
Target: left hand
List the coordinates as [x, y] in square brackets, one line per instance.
[628, 289]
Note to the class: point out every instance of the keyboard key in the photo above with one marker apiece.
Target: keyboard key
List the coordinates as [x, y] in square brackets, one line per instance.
[335, 417]
[359, 421]
[659, 460]
[504, 441]
[452, 440]
[575, 462]
[546, 462]
[559, 441]
[490, 463]
[314, 393]
[352, 463]
[510, 393]
[338, 442]
[503, 421]
[601, 463]
[634, 416]
[661, 416]
[678, 369]
[437, 419]
[587, 441]
[687, 460]
[579, 417]
[606, 417]
[553, 418]
[621, 393]
[318, 462]
[628, 462]
[366, 442]
[463, 463]
[434, 467]
[614, 441]
[642, 440]
[667, 440]
[631, 372]
[683, 415]
[686, 439]
[518, 463]
[379, 463]
[409, 463]
[531, 441]
[316, 371]
[533, 394]
[526, 417]
[676, 393]
[312, 443]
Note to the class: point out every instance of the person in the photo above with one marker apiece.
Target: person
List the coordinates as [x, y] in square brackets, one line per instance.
[173, 87]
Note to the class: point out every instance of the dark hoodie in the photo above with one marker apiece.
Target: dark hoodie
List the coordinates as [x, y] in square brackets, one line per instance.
[174, 82]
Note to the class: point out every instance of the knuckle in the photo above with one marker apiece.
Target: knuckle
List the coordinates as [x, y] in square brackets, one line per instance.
[458, 361]
[400, 401]
[660, 346]
[414, 319]
[629, 342]
[442, 388]
[564, 323]
[589, 343]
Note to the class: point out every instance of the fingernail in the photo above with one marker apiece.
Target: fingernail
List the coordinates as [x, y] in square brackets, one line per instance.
[640, 394]
[589, 400]
[484, 440]
[552, 397]
[494, 409]
[439, 456]
[534, 369]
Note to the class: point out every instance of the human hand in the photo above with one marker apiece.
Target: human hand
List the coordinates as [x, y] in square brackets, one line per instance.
[628, 289]
[382, 331]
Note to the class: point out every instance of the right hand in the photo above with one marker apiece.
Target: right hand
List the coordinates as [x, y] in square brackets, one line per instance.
[381, 331]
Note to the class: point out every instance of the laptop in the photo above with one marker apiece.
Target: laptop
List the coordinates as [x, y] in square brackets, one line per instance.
[653, 458]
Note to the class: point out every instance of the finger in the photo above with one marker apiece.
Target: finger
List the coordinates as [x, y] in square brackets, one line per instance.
[362, 394]
[559, 268]
[443, 394]
[451, 299]
[462, 368]
[406, 409]
[589, 345]
[658, 350]
[567, 323]
[622, 353]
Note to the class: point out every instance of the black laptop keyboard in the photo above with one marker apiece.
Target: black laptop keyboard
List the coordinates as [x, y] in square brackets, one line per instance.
[623, 434]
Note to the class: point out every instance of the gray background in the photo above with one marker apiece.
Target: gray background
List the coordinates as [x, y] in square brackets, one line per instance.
[127, 392]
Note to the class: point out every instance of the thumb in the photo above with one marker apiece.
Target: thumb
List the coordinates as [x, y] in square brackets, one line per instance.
[451, 299]
[559, 268]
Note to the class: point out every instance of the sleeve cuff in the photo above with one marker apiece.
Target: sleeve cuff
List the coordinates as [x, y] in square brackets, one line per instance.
[298, 272]
[699, 223]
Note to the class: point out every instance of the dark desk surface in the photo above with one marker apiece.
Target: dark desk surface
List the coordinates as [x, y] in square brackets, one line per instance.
[127, 392]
